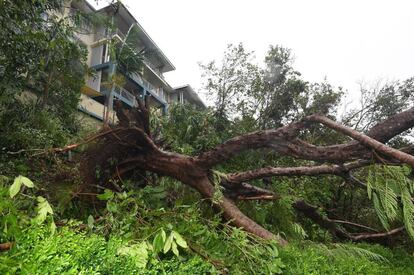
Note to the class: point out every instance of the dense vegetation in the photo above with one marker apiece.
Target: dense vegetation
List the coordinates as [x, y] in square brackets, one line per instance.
[53, 221]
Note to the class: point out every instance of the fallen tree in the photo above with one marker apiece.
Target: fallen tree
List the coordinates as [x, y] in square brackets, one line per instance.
[135, 148]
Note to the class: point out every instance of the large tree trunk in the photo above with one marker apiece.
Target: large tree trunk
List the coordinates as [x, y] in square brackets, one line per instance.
[131, 143]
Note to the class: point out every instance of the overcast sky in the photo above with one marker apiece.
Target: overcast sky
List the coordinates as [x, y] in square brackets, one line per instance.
[344, 41]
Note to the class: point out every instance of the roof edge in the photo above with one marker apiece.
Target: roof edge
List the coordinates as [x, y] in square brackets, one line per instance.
[144, 32]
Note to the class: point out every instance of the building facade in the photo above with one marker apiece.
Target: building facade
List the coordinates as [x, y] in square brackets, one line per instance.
[149, 84]
[186, 95]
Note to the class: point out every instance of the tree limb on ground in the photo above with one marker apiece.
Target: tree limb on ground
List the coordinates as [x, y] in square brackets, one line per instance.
[133, 146]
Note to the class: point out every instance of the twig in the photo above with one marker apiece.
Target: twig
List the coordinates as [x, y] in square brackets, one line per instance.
[75, 145]
[22, 151]
[376, 235]
[355, 224]
[264, 197]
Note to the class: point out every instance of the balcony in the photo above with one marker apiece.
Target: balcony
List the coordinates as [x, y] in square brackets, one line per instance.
[92, 107]
[121, 93]
[117, 33]
[156, 93]
[125, 96]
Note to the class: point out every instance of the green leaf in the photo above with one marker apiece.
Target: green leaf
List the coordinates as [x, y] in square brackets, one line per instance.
[164, 236]
[107, 195]
[17, 184]
[167, 245]
[26, 181]
[52, 227]
[174, 249]
[137, 251]
[112, 207]
[15, 187]
[179, 239]
[43, 208]
[91, 221]
[159, 240]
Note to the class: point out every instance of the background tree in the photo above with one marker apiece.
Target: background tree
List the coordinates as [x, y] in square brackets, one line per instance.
[230, 83]
[39, 52]
[42, 70]
[273, 95]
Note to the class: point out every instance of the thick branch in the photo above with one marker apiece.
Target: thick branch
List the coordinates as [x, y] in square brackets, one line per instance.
[311, 212]
[392, 126]
[343, 171]
[261, 139]
[285, 171]
[284, 141]
[186, 170]
[364, 139]
[234, 190]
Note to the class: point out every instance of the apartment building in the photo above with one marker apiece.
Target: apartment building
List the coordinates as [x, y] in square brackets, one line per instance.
[186, 95]
[149, 85]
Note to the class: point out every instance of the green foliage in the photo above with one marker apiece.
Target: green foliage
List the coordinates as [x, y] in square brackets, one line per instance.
[136, 234]
[230, 82]
[379, 101]
[17, 184]
[218, 189]
[129, 58]
[273, 95]
[391, 191]
[189, 130]
[308, 258]
[16, 211]
[73, 252]
[179, 232]
[139, 252]
[42, 69]
[24, 127]
[172, 242]
[43, 209]
[39, 53]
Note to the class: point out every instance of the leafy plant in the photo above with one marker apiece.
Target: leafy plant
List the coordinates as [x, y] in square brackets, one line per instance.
[164, 244]
[391, 190]
[15, 187]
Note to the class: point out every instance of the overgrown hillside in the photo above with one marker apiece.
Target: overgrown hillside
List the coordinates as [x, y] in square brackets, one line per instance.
[185, 193]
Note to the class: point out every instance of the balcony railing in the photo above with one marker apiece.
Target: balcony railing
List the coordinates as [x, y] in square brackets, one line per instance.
[152, 67]
[119, 92]
[149, 87]
[119, 33]
[124, 94]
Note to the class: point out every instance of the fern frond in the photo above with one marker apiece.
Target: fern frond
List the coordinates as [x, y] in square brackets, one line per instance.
[389, 202]
[380, 212]
[341, 250]
[391, 192]
[408, 212]
[370, 180]
[298, 229]
[346, 250]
